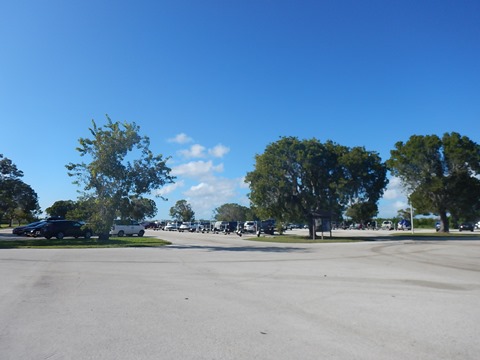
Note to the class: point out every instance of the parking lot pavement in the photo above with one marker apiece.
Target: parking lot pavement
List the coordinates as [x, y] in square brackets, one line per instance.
[338, 233]
[223, 297]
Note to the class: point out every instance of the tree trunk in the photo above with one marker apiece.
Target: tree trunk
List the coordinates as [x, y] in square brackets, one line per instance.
[312, 230]
[444, 226]
[103, 236]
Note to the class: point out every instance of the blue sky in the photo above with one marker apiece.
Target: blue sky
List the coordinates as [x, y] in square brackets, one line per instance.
[212, 83]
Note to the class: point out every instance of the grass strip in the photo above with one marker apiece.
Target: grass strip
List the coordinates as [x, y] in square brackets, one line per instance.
[81, 243]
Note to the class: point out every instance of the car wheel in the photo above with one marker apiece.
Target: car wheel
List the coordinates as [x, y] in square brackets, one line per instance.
[88, 235]
[121, 233]
[60, 236]
[140, 233]
[48, 237]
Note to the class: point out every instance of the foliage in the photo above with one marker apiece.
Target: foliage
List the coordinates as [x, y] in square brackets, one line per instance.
[17, 199]
[293, 178]
[362, 212]
[122, 168]
[8, 170]
[232, 212]
[441, 174]
[138, 209]
[61, 208]
[404, 213]
[182, 211]
[83, 209]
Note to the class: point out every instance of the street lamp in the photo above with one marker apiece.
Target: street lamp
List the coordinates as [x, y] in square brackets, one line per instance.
[411, 212]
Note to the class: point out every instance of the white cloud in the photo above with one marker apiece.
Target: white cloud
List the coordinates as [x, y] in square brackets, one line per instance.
[394, 199]
[168, 189]
[208, 195]
[242, 184]
[181, 138]
[394, 189]
[399, 204]
[219, 151]
[197, 169]
[195, 151]
[199, 151]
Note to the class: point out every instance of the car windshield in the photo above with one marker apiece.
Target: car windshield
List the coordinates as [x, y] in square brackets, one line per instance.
[36, 223]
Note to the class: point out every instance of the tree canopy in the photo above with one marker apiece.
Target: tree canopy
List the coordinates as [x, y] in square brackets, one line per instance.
[441, 174]
[17, 199]
[294, 178]
[232, 212]
[60, 208]
[182, 211]
[121, 170]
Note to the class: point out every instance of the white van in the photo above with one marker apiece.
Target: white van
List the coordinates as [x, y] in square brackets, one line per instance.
[127, 227]
[220, 226]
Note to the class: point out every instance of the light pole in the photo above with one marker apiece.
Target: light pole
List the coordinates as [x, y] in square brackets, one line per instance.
[411, 212]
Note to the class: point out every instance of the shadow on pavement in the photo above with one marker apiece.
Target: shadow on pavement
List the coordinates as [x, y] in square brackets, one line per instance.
[438, 237]
[10, 236]
[272, 249]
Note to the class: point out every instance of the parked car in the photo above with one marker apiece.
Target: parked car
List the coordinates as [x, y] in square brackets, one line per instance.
[268, 226]
[65, 228]
[387, 225]
[220, 226]
[466, 227]
[185, 226]
[171, 226]
[404, 225]
[35, 230]
[22, 230]
[249, 226]
[228, 226]
[150, 224]
[195, 227]
[199, 227]
[236, 226]
[160, 225]
[127, 227]
[356, 226]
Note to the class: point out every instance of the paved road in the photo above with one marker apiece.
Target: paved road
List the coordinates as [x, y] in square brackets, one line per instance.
[223, 297]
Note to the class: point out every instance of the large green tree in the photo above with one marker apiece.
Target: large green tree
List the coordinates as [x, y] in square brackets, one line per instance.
[182, 211]
[138, 209]
[294, 178]
[361, 213]
[17, 199]
[232, 212]
[440, 174]
[84, 209]
[120, 170]
[60, 208]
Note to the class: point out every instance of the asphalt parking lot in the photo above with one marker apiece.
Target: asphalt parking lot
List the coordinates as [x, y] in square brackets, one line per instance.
[215, 296]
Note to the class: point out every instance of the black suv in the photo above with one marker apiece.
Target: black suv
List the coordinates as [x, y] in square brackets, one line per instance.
[63, 228]
[467, 227]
